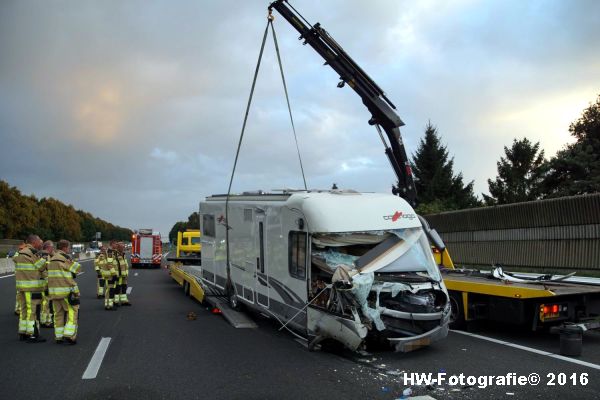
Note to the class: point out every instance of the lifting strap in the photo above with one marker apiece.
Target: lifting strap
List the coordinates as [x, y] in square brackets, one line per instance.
[262, 47]
[288, 101]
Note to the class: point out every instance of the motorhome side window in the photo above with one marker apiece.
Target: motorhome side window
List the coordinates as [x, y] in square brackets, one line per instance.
[297, 254]
[208, 225]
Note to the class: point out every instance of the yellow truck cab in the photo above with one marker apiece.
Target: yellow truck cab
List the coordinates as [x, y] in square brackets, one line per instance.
[188, 243]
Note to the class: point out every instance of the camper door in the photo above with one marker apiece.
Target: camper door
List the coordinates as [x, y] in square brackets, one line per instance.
[262, 275]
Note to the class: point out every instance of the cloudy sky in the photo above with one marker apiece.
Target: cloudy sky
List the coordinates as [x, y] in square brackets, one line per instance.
[132, 109]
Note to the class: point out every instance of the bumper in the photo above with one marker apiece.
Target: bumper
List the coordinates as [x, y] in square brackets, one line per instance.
[410, 343]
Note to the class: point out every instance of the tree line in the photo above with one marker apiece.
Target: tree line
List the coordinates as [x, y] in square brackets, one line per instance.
[524, 173]
[193, 222]
[51, 219]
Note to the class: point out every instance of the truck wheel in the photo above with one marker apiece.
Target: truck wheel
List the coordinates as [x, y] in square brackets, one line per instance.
[234, 302]
[457, 316]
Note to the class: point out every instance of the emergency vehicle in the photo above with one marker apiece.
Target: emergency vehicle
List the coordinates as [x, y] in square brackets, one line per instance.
[146, 248]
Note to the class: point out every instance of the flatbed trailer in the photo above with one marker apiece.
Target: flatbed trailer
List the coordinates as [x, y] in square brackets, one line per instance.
[478, 295]
[188, 277]
[185, 278]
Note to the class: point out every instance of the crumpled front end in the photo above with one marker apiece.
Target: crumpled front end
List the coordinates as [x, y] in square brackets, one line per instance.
[381, 287]
[413, 318]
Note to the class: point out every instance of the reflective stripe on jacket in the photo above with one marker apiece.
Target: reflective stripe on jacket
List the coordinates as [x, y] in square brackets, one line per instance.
[122, 265]
[60, 278]
[29, 268]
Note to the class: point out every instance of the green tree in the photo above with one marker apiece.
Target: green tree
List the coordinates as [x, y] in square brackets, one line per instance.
[88, 225]
[193, 222]
[50, 218]
[520, 174]
[63, 219]
[18, 215]
[576, 168]
[438, 187]
[179, 226]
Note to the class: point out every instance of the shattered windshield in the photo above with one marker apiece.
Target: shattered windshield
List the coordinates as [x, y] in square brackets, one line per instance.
[401, 250]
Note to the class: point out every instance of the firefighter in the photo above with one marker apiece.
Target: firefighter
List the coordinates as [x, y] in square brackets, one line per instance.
[107, 264]
[115, 252]
[17, 303]
[123, 270]
[29, 267]
[64, 293]
[46, 315]
[100, 280]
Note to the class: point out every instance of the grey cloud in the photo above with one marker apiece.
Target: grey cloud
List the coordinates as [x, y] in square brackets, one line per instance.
[132, 110]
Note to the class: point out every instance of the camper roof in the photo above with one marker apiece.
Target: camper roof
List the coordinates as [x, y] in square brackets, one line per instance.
[336, 210]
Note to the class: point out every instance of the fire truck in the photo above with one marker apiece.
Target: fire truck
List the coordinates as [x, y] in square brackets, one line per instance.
[146, 248]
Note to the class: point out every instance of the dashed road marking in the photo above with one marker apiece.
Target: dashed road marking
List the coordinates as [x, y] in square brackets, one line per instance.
[136, 274]
[129, 289]
[94, 366]
[6, 276]
[531, 350]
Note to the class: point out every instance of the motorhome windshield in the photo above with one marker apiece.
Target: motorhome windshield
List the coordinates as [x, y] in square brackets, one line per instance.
[401, 250]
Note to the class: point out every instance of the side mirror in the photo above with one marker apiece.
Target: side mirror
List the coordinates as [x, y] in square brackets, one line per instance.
[436, 239]
[432, 235]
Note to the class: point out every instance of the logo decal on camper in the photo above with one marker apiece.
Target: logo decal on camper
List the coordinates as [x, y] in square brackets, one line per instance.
[221, 220]
[399, 215]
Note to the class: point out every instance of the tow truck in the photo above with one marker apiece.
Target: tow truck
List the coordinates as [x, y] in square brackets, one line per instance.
[189, 249]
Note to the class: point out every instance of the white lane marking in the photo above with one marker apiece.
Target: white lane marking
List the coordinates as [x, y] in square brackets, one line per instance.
[530, 349]
[136, 274]
[6, 276]
[81, 273]
[129, 289]
[94, 366]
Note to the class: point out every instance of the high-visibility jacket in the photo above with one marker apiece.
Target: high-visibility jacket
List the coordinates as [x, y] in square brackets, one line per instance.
[47, 257]
[60, 276]
[74, 268]
[96, 261]
[123, 267]
[29, 268]
[107, 264]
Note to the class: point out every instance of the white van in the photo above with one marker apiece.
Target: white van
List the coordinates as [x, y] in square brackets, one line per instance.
[334, 264]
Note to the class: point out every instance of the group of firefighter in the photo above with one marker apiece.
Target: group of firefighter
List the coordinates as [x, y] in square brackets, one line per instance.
[112, 271]
[48, 294]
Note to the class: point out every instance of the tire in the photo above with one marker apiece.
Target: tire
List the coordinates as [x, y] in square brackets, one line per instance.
[457, 316]
[186, 288]
[234, 302]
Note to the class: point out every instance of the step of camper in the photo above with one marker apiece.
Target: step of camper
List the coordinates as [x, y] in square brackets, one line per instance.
[237, 319]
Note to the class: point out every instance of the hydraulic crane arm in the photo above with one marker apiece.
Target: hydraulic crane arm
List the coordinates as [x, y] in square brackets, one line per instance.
[380, 107]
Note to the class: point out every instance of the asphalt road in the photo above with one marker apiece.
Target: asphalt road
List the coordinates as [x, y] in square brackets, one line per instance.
[156, 353]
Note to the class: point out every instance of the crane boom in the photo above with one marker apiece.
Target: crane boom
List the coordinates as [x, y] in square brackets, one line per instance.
[380, 107]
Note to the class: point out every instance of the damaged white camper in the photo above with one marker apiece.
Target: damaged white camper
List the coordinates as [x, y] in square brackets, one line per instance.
[336, 265]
